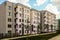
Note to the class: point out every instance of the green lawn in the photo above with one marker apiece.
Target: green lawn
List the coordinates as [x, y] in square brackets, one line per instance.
[40, 37]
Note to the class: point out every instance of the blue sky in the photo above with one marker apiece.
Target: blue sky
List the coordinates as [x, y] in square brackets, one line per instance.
[2, 1]
[31, 2]
[39, 5]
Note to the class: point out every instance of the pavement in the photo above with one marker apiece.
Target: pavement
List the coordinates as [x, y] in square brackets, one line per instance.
[26, 36]
[55, 38]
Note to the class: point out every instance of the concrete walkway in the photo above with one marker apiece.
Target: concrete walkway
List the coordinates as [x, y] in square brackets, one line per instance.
[55, 38]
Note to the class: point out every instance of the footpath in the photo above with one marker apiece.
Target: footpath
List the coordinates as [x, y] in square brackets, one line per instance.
[55, 38]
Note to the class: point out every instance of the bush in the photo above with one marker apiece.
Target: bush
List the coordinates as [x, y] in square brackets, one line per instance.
[1, 35]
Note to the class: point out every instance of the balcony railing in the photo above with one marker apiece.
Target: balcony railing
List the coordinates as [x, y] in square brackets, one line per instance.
[16, 14]
[15, 9]
[16, 25]
[15, 20]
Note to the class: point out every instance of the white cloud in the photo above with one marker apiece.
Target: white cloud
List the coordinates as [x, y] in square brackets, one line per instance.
[53, 9]
[24, 2]
[55, 0]
[56, 3]
[39, 2]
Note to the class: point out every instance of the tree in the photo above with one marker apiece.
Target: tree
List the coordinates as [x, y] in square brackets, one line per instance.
[27, 28]
[51, 27]
[46, 27]
[39, 28]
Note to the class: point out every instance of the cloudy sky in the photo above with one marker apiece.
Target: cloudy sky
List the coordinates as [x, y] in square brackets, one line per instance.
[50, 5]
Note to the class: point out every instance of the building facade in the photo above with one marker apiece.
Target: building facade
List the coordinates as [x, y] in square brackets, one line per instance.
[35, 21]
[7, 17]
[20, 19]
[15, 18]
[48, 21]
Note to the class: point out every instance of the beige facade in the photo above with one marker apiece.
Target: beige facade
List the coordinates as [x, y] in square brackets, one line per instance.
[7, 17]
[48, 21]
[17, 18]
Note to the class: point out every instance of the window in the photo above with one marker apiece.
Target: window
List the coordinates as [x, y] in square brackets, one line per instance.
[22, 20]
[9, 31]
[9, 13]
[19, 26]
[32, 27]
[15, 20]
[45, 20]
[19, 20]
[15, 9]
[16, 29]
[25, 31]
[19, 31]
[34, 21]
[34, 30]
[25, 15]
[20, 14]
[25, 20]
[9, 7]
[9, 19]
[44, 16]
[9, 25]
[20, 9]
[27, 11]
[23, 9]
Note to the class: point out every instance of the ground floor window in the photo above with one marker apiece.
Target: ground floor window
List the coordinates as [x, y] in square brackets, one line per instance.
[9, 31]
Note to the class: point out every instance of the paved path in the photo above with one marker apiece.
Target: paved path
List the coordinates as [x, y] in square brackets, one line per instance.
[27, 36]
[55, 38]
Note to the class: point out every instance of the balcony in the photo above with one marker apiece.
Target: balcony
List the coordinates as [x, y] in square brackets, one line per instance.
[16, 14]
[28, 21]
[23, 24]
[16, 26]
[15, 9]
[15, 20]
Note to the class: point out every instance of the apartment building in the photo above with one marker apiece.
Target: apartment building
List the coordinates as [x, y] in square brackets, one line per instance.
[7, 17]
[35, 21]
[15, 18]
[22, 19]
[48, 21]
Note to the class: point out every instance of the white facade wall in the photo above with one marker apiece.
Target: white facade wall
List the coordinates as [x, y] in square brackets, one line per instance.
[26, 16]
[19, 28]
[34, 19]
